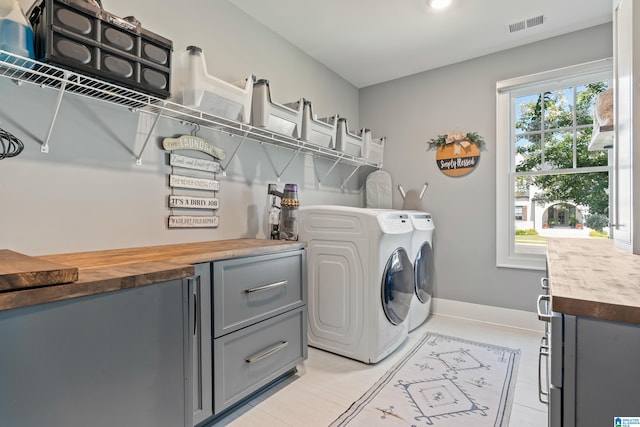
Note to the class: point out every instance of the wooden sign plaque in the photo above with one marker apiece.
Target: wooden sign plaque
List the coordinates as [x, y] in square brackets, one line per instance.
[195, 183]
[187, 221]
[188, 142]
[193, 163]
[194, 202]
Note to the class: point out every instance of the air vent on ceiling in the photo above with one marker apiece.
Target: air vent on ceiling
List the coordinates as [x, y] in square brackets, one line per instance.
[526, 23]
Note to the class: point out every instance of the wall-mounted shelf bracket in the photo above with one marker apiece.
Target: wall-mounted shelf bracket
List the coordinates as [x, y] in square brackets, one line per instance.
[63, 85]
[233, 155]
[335, 163]
[349, 177]
[153, 127]
[273, 165]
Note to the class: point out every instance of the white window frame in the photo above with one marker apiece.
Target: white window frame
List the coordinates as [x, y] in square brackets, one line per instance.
[506, 92]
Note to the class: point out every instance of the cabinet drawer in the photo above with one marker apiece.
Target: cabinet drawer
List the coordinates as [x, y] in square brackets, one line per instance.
[248, 290]
[251, 358]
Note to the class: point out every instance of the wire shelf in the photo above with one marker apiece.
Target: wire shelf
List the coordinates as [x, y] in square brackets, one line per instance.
[25, 70]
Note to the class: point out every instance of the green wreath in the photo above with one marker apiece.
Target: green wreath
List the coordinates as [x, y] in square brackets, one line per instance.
[443, 140]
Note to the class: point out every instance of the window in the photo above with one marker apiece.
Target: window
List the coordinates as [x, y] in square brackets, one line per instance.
[518, 212]
[547, 181]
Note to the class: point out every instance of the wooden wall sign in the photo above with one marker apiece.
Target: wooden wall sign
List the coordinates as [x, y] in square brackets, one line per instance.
[189, 142]
[195, 183]
[185, 201]
[194, 202]
[457, 153]
[187, 221]
[193, 163]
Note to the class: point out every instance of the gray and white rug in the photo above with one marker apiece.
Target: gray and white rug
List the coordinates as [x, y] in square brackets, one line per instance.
[442, 381]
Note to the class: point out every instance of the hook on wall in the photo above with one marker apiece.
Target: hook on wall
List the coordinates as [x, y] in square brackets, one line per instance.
[195, 130]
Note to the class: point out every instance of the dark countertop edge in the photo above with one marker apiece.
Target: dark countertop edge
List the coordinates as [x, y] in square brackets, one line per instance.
[101, 281]
[110, 257]
[236, 253]
[596, 310]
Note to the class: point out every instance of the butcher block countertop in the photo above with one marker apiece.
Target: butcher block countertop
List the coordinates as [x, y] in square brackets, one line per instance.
[592, 278]
[117, 269]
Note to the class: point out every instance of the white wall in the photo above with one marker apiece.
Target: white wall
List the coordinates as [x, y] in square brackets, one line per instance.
[89, 194]
[462, 97]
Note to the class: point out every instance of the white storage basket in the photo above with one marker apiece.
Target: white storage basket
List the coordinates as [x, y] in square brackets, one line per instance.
[372, 148]
[346, 141]
[285, 119]
[212, 95]
[321, 132]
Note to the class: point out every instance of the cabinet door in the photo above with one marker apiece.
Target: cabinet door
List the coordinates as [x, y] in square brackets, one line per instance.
[253, 357]
[114, 359]
[251, 289]
[607, 371]
[200, 329]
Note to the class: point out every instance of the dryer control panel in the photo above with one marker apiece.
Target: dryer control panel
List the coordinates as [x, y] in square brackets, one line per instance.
[395, 223]
[422, 221]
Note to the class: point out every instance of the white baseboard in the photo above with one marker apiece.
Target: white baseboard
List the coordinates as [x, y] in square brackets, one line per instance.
[488, 314]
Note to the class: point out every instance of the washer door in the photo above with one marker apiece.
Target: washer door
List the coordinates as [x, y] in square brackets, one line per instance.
[423, 271]
[397, 286]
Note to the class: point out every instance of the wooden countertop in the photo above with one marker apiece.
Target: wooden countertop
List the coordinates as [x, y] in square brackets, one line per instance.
[592, 278]
[117, 269]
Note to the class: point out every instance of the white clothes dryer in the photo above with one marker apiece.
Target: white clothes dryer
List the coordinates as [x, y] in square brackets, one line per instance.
[421, 254]
[360, 279]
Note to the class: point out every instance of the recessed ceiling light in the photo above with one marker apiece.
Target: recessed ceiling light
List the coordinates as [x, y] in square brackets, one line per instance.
[439, 4]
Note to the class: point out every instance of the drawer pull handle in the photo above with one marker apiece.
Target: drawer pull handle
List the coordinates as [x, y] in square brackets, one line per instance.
[543, 395]
[546, 317]
[267, 353]
[266, 287]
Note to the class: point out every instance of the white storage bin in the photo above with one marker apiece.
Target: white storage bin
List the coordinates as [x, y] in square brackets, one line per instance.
[346, 141]
[321, 132]
[212, 95]
[372, 148]
[285, 119]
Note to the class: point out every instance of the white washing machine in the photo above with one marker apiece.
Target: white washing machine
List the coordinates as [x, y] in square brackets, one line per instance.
[360, 279]
[421, 254]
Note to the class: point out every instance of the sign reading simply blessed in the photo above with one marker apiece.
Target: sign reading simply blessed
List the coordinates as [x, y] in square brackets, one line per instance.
[457, 154]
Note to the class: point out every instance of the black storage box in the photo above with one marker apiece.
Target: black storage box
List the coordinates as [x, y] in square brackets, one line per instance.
[79, 36]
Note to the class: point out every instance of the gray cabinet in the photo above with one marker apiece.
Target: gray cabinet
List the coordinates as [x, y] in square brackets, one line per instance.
[201, 344]
[113, 359]
[250, 289]
[171, 354]
[253, 357]
[594, 371]
[259, 323]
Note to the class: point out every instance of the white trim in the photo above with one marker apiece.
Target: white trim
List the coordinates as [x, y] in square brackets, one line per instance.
[506, 90]
[560, 76]
[520, 319]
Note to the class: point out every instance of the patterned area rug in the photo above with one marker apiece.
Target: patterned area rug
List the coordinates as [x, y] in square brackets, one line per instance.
[442, 381]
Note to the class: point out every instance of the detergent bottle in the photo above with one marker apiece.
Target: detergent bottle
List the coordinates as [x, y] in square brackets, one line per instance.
[16, 34]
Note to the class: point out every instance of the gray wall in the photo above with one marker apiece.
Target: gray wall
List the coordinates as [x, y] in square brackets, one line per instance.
[89, 194]
[462, 97]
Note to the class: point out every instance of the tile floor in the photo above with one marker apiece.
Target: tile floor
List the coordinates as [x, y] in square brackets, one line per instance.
[327, 384]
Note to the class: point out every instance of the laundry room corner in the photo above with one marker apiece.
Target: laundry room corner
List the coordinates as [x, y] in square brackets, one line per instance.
[412, 110]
